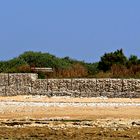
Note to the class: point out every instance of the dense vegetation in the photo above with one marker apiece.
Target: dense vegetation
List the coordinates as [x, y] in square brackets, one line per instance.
[62, 67]
[114, 64]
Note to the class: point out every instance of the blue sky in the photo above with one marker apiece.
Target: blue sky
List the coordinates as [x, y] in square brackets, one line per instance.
[81, 29]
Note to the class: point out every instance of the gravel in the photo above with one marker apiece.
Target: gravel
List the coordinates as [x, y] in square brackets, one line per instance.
[71, 104]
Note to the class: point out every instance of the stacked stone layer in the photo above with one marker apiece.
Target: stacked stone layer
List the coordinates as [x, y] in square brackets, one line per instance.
[29, 84]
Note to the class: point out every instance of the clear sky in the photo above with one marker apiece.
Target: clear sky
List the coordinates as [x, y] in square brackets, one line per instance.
[81, 29]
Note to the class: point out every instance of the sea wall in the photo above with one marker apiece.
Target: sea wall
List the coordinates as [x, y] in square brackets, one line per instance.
[29, 84]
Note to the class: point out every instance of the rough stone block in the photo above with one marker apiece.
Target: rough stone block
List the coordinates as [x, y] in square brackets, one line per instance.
[84, 85]
[20, 79]
[64, 85]
[128, 85]
[3, 79]
[107, 94]
[24, 90]
[33, 76]
[115, 85]
[39, 86]
[11, 90]
[137, 85]
[53, 85]
[2, 90]
[103, 85]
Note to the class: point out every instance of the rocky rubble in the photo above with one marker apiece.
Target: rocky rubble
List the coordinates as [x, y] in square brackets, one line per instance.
[61, 124]
[17, 104]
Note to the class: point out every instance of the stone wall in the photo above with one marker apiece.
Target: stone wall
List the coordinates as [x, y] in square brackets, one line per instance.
[16, 84]
[26, 84]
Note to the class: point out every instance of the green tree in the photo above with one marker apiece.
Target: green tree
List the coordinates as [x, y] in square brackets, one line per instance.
[109, 59]
[133, 60]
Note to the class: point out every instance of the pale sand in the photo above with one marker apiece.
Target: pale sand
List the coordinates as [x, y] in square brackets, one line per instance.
[13, 111]
[38, 98]
[84, 113]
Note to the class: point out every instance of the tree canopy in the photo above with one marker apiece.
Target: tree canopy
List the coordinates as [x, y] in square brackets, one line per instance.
[109, 59]
[113, 64]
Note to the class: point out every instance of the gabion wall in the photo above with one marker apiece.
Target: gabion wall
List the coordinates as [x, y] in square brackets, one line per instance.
[29, 84]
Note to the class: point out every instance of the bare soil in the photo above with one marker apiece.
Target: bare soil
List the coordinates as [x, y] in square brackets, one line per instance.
[20, 118]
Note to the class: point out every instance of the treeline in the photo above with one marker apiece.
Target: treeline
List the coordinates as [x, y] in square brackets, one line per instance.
[117, 65]
[113, 65]
[62, 67]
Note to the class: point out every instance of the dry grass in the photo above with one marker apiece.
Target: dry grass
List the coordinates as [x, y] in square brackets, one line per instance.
[45, 133]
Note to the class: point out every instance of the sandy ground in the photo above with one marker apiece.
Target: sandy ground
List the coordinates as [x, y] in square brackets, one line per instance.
[39, 98]
[72, 113]
[68, 108]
